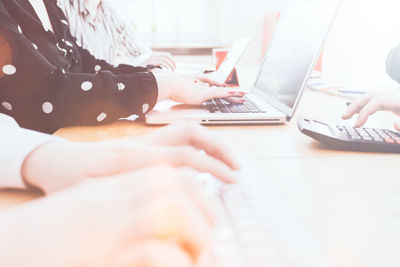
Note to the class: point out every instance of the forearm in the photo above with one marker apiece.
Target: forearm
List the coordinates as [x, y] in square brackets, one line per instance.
[55, 166]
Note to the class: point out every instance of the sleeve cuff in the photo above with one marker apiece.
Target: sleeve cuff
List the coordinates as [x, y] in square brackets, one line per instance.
[21, 143]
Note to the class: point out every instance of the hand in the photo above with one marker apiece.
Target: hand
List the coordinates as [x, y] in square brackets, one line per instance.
[207, 80]
[179, 145]
[161, 59]
[57, 165]
[185, 91]
[152, 217]
[191, 135]
[370, 104]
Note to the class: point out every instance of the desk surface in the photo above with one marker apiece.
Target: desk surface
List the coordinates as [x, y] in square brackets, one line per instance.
[350, 201]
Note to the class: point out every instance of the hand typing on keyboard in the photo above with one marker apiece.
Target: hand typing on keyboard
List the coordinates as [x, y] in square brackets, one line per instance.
[370, 104]
[226, 106]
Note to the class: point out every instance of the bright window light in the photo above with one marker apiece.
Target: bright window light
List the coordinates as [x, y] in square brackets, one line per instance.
[172, 16]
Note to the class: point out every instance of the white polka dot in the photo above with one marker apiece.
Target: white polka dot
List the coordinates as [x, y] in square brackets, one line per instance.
[69, 44]
[7, 106]
[63, 71]
[131, 118]
[97, 68]
[19, 29]
[35, 46]
[86, 86]
[145, 108]
[47, 107]
[121, 86]
[64, 21]
[101, 117]
[9, 69]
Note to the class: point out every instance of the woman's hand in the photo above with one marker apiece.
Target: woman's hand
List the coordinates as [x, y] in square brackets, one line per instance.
[187, 91]
[152, 217]
[193, 136]
[206, 79]
[57, 165]
[370, 104]
[161, 59]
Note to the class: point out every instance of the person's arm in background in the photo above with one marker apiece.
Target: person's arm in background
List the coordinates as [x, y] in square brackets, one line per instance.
[50, 98]
[160, 59]
[130, 49]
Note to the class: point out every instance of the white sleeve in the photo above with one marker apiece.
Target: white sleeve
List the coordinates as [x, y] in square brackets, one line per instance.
[393, 64]
[16, 144]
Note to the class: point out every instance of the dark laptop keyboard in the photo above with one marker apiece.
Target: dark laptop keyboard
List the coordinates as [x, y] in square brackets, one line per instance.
[224, 106]
[368, 134]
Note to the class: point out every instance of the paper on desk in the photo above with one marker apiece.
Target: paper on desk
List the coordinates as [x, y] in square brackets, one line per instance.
[336, 89]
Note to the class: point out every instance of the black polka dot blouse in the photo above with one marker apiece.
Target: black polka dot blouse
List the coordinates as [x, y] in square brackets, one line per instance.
[47, 81]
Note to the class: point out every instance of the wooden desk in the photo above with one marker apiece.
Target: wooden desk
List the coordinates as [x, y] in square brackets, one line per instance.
[350, 201]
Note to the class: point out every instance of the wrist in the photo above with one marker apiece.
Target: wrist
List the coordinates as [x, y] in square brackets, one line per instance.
[43, 166]
[165, 84]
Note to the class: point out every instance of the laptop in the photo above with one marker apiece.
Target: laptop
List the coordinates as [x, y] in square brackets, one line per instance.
[289, 61]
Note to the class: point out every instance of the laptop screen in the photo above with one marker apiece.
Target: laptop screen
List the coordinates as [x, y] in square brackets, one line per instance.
[294, 49]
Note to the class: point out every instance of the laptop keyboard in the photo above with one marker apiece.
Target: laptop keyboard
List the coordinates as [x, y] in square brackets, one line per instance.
[253, 227]
[224, 106]
[240, 238]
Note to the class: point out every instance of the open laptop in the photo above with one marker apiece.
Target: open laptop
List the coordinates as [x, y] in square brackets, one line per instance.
[292, 54]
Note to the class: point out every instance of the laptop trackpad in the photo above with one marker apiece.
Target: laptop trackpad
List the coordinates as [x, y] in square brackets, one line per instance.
[171, 107]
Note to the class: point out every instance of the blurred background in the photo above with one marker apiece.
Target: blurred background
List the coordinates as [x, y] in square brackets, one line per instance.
[355, 53]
